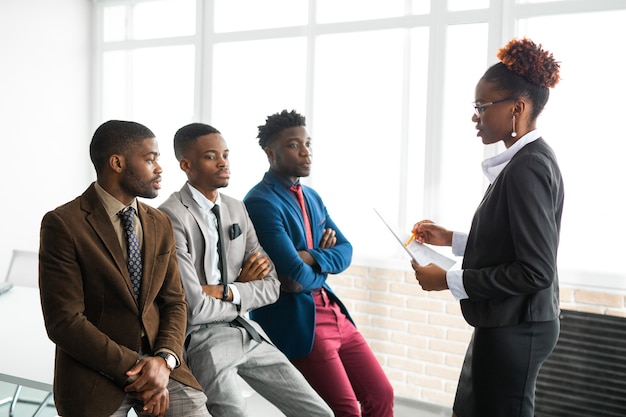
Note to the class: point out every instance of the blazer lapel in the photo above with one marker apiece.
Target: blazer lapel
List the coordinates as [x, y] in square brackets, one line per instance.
[287, 196]
[314, 216]
[289, 199]
[196, 212]
[148, 254]
[98, 219]
[187, 199]
[226, 224]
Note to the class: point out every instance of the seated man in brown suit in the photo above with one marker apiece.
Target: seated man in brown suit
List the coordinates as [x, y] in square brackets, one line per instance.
[111, 292]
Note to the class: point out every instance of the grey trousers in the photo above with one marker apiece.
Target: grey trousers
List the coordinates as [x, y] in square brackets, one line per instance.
[184, 402]
[217, 353]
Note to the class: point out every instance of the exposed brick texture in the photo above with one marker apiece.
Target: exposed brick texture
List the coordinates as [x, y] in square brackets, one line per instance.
[420, 337]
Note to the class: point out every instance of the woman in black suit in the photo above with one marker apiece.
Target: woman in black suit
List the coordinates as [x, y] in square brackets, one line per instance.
[508, 284]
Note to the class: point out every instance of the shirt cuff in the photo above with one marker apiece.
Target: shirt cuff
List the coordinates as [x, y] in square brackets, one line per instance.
[459, 241]
[236, 294]
[455, 284]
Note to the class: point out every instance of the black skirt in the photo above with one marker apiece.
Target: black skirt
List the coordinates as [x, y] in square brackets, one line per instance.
[500, 369]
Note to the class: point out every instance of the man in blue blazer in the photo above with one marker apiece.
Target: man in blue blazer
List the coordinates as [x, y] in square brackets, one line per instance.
[308, 322]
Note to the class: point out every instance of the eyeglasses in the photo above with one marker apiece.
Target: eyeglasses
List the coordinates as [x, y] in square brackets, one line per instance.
[479, 108]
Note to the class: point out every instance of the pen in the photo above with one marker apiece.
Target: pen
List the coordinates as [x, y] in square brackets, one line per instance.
[409, 240]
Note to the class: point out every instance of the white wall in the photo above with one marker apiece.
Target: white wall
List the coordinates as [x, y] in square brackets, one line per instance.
[45, 124]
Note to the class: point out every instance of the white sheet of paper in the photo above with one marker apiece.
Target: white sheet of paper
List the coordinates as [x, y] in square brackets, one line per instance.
[422, 254]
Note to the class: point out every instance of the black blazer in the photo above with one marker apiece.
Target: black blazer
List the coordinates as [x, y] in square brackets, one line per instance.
[509, 265]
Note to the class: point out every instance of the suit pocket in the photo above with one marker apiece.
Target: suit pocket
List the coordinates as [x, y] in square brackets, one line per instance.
[235, 231]
[74, 381]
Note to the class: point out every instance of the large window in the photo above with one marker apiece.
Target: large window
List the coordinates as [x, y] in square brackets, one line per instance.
[386, 87]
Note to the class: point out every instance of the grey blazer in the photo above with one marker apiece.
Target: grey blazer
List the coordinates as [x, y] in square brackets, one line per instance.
[193, 259]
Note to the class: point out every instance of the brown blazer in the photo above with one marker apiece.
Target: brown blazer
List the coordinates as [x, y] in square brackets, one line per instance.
[89, 309]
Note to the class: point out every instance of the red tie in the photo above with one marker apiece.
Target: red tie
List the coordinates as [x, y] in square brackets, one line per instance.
[296, 188]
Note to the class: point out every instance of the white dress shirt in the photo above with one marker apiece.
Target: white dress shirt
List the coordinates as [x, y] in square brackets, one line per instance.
[209, 218]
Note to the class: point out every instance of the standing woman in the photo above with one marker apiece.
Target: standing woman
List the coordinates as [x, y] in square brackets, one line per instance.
[508, 284]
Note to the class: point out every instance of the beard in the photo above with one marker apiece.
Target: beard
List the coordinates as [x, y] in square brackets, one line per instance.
[135, 185]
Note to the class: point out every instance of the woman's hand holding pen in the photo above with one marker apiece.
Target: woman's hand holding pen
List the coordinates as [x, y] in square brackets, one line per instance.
[427, 231]
[431, 277]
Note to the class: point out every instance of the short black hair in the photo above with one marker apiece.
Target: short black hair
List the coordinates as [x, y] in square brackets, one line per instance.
[187, 135]
[115, 137]
[276, 123]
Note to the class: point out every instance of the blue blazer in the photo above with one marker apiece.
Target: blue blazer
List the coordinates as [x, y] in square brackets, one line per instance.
[277, 218]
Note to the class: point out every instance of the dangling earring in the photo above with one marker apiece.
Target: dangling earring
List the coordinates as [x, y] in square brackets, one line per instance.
[513, 133]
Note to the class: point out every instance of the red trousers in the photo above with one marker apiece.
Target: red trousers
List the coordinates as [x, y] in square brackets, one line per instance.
[342, 368]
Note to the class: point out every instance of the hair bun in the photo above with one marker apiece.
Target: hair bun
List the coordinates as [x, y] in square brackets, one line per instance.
[525, 58]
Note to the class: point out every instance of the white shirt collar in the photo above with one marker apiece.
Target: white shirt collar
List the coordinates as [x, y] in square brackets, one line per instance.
[494, 165]
[203, 202]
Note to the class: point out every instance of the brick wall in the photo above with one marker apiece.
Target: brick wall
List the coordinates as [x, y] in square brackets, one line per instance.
[593, 301]
[420, 337]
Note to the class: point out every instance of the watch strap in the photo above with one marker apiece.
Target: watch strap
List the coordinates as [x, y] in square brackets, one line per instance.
[170, 360]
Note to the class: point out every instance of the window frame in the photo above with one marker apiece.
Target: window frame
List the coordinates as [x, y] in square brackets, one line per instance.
[501, 18]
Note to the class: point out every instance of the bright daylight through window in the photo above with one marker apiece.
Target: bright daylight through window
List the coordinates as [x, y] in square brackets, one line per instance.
[387, 90]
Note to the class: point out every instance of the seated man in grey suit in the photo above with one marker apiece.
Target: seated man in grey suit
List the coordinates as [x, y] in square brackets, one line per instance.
[226, 273]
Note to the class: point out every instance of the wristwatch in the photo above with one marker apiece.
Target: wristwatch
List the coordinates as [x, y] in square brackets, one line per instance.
[170, 360]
